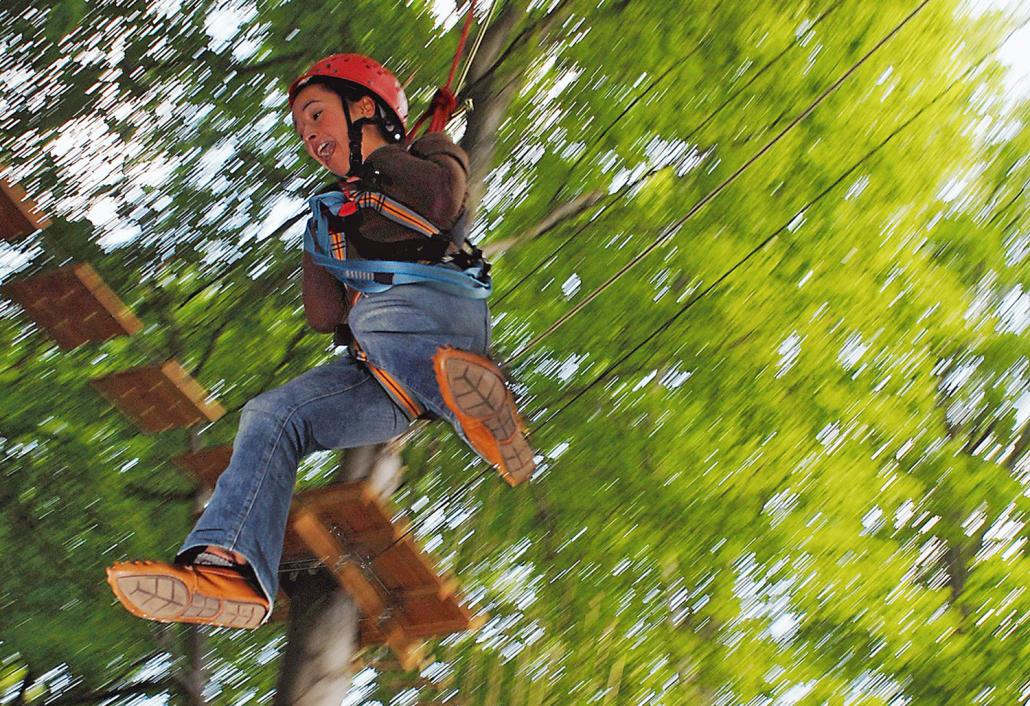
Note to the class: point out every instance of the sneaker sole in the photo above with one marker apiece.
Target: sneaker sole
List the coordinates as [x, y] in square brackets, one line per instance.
[480, 393]
[167, 599]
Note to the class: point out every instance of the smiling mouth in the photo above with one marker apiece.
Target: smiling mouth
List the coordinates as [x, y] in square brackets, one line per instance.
[325, 150]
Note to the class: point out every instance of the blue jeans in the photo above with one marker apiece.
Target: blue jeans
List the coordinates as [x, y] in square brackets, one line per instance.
[338, 405]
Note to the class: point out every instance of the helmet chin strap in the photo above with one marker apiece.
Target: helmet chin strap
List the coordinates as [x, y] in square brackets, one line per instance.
[355, 134]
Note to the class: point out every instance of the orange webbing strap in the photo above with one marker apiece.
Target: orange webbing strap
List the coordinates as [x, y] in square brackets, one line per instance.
[400, 394]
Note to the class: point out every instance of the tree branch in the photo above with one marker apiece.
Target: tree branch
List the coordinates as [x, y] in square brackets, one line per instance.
[557, 216]
[150, 688]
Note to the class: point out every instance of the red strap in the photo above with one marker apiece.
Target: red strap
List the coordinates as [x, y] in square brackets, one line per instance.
[461, 43]
[444, 101]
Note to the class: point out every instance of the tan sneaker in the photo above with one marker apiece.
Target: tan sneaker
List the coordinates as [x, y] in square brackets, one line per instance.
[169, 593]
[473, 387]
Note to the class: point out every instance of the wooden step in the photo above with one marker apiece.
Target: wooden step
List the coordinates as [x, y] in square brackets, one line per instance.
[159, 397]
[19, 216]
[401, 597]
[73, 305]
[205, 465]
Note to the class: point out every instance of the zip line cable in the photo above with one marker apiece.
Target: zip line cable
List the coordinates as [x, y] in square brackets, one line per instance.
[664, 326]
[729, 99]
[670, 231]
[661, 328]
[683, 309]
[475, 47]
[549, 258]
[625, 111]
[613, 198]
[768, 65]
[701, 203]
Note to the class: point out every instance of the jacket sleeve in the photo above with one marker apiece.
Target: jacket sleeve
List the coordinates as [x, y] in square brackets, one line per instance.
[430, 177]
[323, 296]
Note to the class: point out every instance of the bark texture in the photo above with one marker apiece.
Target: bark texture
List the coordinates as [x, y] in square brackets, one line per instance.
[491, 91]
[322, 637]
[322, 640]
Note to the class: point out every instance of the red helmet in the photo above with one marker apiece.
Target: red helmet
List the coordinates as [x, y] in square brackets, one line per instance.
[361, 71]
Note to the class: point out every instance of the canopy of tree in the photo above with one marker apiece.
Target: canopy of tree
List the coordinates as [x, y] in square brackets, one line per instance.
[785, 455]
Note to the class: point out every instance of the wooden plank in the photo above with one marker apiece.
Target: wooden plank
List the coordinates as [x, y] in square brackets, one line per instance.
[158, 397]
[19, 215]
[205, 465]
[73, 305]
[327, 550]
[196, 395]
[438, 628]
[327, 499]
[405, 564]
[408, 652]
[440, 591]
[401, 575]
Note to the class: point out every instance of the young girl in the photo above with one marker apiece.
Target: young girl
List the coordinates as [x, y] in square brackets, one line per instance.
[385, 267]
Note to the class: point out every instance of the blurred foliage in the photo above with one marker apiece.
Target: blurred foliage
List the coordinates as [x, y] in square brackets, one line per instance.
[809, 487]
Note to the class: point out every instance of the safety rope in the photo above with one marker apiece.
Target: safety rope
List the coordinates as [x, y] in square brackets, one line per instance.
[444, 100]
[484, 26]
[666, 324]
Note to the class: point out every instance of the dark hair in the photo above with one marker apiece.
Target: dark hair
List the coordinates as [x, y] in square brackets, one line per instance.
[348, 92]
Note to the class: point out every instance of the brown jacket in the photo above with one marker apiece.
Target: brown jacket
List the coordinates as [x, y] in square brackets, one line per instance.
[429, 178]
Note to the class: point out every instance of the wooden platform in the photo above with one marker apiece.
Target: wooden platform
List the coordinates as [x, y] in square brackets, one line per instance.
[159, 397]
[205, 465]
[399, 593]
[74, 305]
[18, 214]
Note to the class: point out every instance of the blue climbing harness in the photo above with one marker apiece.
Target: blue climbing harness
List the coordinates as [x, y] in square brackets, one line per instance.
[329, 249]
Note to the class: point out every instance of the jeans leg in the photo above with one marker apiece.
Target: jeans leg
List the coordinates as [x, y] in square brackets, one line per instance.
[401, 330]
[334, 406]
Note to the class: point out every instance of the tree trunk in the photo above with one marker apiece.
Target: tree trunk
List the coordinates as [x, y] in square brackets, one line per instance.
[491, 92]
[322, 640]
[322, 637]
[194, 676]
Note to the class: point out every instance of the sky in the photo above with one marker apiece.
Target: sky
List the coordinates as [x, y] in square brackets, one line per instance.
[1016, 51]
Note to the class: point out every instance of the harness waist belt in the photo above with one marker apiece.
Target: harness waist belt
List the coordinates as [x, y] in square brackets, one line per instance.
[373, 276]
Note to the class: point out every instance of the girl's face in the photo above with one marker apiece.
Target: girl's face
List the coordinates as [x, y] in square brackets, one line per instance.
[319, 121]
